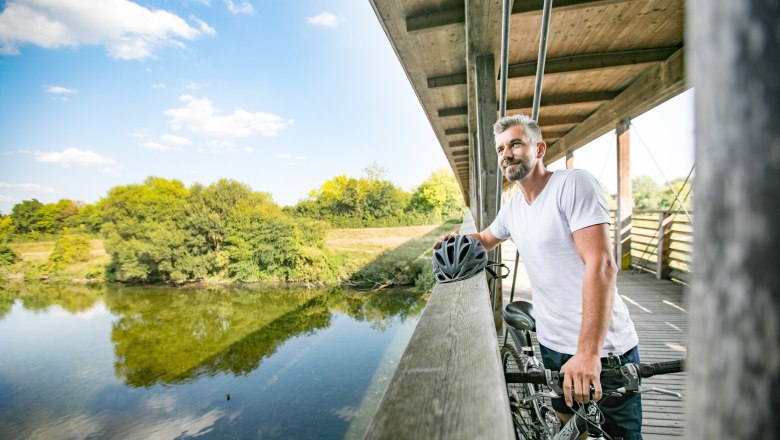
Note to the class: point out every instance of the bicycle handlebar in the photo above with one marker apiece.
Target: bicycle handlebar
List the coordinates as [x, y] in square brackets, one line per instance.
[644, 370]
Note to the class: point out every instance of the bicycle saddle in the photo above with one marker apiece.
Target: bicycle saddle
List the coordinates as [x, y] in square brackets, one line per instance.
[520, 315]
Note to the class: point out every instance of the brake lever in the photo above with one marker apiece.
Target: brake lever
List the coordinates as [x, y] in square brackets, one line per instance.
[643, 389]
[537, 396]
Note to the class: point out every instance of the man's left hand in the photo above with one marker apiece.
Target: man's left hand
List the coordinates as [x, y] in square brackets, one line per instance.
[580, 373]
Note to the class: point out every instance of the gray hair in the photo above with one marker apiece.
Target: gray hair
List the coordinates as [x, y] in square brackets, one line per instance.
[530, 126]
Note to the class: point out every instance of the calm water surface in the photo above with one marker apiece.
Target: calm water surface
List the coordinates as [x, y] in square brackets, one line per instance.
[163, 363]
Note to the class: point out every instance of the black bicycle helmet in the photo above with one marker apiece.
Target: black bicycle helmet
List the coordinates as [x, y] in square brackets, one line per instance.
[457, 258]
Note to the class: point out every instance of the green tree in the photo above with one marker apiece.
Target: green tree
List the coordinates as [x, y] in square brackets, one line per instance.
[438, 196]
[53, 217]
[87, 219]
[26, 216]
[210, 207]
[345, 201]
[6, 228]
[646, 193]
[650, 195]
[143, 226]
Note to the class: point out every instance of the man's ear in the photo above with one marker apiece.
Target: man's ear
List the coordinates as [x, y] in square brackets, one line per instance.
[541, 149]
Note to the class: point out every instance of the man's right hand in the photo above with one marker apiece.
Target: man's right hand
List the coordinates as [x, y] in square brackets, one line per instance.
[445, 237]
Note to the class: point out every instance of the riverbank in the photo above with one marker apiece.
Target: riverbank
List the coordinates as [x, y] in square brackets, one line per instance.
[365, 257]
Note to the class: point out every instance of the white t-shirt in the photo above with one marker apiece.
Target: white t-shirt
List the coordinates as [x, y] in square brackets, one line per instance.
[542, 232]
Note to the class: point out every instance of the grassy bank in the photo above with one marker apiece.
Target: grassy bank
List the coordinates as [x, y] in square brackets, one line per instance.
[35, 265]
[366, 257]
[374, 257]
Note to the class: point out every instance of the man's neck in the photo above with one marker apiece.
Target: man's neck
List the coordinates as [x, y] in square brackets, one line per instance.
[533, 184]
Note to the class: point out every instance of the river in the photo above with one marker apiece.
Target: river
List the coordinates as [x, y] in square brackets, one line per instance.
[253, 362]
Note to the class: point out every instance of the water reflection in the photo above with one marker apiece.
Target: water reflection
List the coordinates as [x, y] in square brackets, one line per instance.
[140, 362]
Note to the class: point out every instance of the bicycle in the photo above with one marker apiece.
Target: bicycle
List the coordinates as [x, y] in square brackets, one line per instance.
[531, 386]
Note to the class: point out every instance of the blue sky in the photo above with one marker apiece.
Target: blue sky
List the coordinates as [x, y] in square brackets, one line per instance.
[280, 95]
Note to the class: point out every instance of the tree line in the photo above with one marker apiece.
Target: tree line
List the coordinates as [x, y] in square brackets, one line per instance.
[162, 231]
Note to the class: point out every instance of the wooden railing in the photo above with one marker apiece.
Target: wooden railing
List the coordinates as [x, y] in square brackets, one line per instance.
[449, 383]
[662, 243]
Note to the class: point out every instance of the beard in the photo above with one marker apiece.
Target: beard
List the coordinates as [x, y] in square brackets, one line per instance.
[520, 169]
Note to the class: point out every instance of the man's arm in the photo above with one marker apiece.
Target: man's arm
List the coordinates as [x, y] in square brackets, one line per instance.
[488, 240]
[598, 295]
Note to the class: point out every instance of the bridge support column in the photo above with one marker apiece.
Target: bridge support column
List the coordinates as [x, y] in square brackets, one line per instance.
[485, 74]
[734, 367]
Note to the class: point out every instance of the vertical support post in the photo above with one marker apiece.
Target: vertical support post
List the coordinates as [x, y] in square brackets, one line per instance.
[734, 345]
[486, 115]
[569, 160]
[662, 249]
[624, 200]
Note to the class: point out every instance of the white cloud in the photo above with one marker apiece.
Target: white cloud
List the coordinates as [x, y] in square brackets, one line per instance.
[199, 116]
[158, 85]
[192, 85]
[175, 140]
[283, 156]
[326, 19]
[30, 187]
[152, 145]
[221, 146]
[204, 27]
[4, 198]
[127, 30]
[74, 156]
[243, 8]
[59, 90]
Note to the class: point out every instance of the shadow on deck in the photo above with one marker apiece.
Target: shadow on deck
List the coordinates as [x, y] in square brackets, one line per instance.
[660, 314]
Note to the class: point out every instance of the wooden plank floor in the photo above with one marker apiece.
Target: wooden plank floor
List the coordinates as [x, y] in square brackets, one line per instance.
[659, 311]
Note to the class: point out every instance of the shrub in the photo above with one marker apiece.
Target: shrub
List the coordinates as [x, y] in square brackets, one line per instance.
[69, 249]
[7, 255]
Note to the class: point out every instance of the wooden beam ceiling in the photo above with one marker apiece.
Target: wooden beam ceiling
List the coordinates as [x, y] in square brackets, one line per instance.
[658, 84]
[547, 101]
[544, 121]
[456, 130]
[457, 15]
[571, 63]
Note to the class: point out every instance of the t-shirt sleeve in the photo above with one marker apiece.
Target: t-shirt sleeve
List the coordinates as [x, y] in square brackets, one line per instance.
[499, 227]
[582, 201]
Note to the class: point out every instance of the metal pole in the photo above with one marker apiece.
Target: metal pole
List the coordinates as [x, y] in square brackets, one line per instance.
[546, 12]
[506, 11]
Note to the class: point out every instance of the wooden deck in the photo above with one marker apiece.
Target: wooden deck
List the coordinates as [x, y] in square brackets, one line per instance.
[659, 311]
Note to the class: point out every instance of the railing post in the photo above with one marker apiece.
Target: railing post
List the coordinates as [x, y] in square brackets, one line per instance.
[625, 202]
[663, 246]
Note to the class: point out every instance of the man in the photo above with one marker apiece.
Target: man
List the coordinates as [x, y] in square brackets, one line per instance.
[559, 222]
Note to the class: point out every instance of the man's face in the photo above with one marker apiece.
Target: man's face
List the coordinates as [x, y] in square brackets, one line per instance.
[516, 153]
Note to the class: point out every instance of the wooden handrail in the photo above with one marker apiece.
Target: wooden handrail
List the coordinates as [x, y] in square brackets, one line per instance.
[449, 383]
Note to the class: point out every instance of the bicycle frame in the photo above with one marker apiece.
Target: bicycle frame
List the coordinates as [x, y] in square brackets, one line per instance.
[577, 425]
[522, 340]
[534, 419]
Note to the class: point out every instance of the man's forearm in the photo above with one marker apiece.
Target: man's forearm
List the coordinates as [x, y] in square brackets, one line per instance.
[598, 295]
